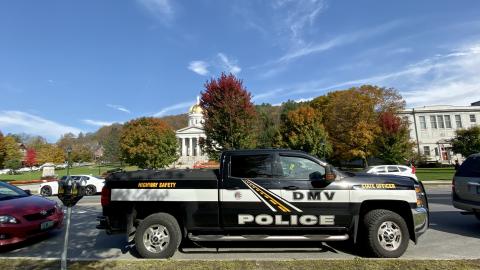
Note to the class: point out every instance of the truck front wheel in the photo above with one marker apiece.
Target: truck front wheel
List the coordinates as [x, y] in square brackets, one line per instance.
[158, 236]
[386, 234]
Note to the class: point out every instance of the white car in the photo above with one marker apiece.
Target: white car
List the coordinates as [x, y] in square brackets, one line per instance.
[93, 185]
[400, 170]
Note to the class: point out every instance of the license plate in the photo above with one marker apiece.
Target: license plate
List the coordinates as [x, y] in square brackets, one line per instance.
[46, 225]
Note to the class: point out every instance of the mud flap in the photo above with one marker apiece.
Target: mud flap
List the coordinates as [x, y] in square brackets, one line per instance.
[131, 228]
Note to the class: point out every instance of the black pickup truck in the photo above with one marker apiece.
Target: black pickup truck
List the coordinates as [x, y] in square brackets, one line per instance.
[264, 195]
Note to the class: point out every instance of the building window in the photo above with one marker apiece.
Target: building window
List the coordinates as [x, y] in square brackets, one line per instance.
[448, 121]
[440, 121]
[458, 120]
[423, 123]
[433, 121]
[473, 119]
[194, 147]
[426, 151]
[436, 151]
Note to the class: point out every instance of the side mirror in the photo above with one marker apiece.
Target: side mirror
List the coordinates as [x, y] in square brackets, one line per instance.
[28, 191]
[70, 191]
[330, 174]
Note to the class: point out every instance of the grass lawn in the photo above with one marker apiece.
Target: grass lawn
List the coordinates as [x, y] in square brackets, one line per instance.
[425, 174]
[93, 170]
[355, 264]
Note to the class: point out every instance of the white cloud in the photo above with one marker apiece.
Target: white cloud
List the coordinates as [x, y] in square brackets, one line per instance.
[228, 65]
[160, 9]
[450, 78]
[17, 121]
[199, 67]
[119, 108]
[337, 41]
[178, 106]
[97, 123]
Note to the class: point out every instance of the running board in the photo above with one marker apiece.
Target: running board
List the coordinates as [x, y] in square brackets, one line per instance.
[313, 237]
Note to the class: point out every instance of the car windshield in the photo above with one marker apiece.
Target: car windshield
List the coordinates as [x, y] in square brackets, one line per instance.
[10, 192]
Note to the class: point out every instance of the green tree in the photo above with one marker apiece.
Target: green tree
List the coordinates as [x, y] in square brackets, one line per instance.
[148, 143]
[393, 144]
[230, 116]
[268, 125]
[111, 144]
[467, 141]
[302, 129]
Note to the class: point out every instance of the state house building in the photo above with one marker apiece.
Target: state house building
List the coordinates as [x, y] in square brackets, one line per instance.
[432, 128]
[189, 137]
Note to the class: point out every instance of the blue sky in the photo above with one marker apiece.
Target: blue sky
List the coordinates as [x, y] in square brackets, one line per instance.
[71, 66]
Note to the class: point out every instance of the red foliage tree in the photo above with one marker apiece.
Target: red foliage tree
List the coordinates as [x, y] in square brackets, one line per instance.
[229, 115]
[30, 157]
[390, 123]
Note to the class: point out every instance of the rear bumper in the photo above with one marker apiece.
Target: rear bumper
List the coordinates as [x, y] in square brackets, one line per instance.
[16, 233]
[420, 221]
[469, 206]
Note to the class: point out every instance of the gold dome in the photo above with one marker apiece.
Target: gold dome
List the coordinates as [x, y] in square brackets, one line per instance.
[196, 109]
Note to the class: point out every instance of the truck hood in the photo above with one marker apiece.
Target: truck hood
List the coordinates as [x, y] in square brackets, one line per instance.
[355, 178]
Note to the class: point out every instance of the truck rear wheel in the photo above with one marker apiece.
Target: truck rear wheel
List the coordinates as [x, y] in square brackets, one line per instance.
[158, 236]
[386, 234]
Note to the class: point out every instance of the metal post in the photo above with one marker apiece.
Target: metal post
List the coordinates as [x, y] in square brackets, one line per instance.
[65, 242]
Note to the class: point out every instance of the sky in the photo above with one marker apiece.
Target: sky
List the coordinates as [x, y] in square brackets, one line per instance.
[73, 66]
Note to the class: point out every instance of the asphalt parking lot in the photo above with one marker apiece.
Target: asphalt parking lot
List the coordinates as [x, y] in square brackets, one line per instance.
[451, 236]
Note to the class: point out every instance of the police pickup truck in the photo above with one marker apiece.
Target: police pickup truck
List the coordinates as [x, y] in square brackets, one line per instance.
[264, 195]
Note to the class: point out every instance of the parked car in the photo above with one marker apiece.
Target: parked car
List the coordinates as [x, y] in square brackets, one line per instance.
[5, 171]
[92, 185]
[25, 169]
[400, 170]
[466, 186]
[23, 216]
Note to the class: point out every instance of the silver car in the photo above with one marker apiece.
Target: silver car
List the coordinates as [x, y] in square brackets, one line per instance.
[466, 186]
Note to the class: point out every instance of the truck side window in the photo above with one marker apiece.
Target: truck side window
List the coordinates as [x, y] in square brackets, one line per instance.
[300, 168]
[251, 166]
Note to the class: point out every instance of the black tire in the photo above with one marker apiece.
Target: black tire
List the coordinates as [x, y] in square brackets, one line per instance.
[173, 231]
[46, 191]
[90, 190]
[374, 222]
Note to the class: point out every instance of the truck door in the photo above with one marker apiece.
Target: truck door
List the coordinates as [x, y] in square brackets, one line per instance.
[248, 190]
[303, 184]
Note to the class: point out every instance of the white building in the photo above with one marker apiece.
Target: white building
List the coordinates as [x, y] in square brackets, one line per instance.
[189, 139]
[432, 128]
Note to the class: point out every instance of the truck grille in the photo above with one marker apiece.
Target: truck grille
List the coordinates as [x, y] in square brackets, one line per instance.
[40, 215]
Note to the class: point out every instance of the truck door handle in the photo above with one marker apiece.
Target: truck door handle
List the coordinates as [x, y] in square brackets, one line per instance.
[232, 188]
[291, 187]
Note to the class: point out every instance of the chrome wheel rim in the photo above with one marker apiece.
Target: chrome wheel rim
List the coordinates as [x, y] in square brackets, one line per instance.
[45, 191]
[89, 191]
[389, 235]
[156, 238]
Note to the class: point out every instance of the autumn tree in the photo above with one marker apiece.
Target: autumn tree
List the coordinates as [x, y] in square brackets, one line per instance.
[229, 115]
[467, 141]
[50, 153]
[30, 158]
[148, 143]
[351, 118]
[302, 129]
[393, 144]
[13, 155]
[3, 152]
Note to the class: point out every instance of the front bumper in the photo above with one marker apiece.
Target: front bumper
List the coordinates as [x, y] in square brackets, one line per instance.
[15, 233]
[420, 221]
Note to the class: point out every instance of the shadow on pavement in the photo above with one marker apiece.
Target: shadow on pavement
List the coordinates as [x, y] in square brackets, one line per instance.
[455, 223]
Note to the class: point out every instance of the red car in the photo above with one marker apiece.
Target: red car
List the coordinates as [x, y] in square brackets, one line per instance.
[24, 216]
